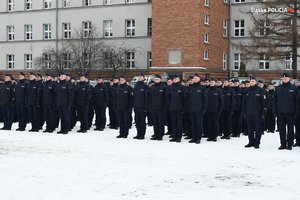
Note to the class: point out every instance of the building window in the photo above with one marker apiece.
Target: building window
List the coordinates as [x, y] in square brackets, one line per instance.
[108, 60]
[47, 31]
[225, 29]
[47, 61]
[87, 29]
[28, 32]
[67, 30]
[237, 61]
[10, 61]
[130, 1]
[206, 2]
[239, 28]
[206, 55]
[10, 33]
[264, 28]
[28, 61]
[47, 4]
[239, 1]
[149, 58]
[107, 2]
[288, 61]
[264, 62]
[10, 5]
[175, 56]
[149, 25]
[130, 59]
[224, 61]
[28, 5]
[130, 28]
[108, 30]
[66, 60]
[206, 19]
[66, 3]
[87, 2]
[206, 38]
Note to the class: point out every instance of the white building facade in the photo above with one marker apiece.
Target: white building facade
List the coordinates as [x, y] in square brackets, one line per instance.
[28, 27]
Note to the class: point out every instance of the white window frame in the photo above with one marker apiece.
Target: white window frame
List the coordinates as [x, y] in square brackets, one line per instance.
[206, 54]
[130, 60]
[67, 31]
[225, 28]
[107, 2]
[47, 4]
[87, 3]
[28, 61]
[67, 60]
[108, 28]
[87, 29]
[129, 1]
[240, 28]
[206, 38]
[264, 29]
[225, 61]
[47, 32]
[288, 61]
[47, 61]
[237, 61]
[175, 56]
[264, 62]
[66, 3]
[28, 32]
[28, 4]
[10, 33]
[206, 3]
[130, 28]
[10, 59]
[10, 5]
[206, 19]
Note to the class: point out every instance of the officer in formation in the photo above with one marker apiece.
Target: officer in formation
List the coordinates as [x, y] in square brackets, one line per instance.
[200, 108]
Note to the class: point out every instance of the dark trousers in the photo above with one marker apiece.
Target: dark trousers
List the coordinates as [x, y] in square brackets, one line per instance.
[177, 123]
[286, 121]
[149, 117]
[270, 121]
[205, 129]
[113, 118]
[100, 116]
[255, 129]
[158, 123]
[187, 129]
[82, 111]
[226, 122]
[33, 117]
[73, 117]
[49, 117]
[196, 125]
[64, 115]
[41, 119]
[244, 125]
[140, 121]
[297, 124]
[7, 111]
[123, 116]
[237, 123]
[212, 124]
[90, 115]
[21, 113]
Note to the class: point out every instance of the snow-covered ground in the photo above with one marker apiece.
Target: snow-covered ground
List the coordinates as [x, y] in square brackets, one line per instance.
[96, 165]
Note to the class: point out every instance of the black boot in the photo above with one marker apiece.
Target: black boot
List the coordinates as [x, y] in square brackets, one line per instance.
[282, 147]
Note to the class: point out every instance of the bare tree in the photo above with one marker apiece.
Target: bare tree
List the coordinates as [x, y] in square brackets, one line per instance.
[275, 33]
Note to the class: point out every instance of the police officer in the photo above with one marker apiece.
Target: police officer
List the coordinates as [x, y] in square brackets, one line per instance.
[20, 102]
[214, 110]
[124, 102]
[237, 111]
[197, 106]
[7, 101]
[270, 117]
[48, 88]
[100, 99]
[33, 102]
[140, 103]
[297, 121]
[114, 123]
[176, 103]
[255, 111]
[285, 107]
[227, 110]
[63, 100]
[82, 100]
[158, 107]
[168, 115]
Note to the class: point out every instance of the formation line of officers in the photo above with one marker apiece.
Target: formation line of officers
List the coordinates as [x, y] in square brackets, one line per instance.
[194, 109]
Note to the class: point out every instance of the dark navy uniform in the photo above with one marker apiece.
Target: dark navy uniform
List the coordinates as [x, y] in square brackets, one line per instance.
[91, 108]
[176, 103]
[82, 100]
[33, 103]
[227, 111]
[7, 101]
[297, 121]
[113, 118]
[270, 117]
[214, 110]
[255, 110]
[237, 113]
[100, 99]
[63, 100]
[285, 107]
[124, 103]
[140, 103]
[197, 106]
[157, 104]
[48, 89]
[20, 104]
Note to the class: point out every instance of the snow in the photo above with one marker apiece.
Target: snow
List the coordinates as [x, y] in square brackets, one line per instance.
[96, 165]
